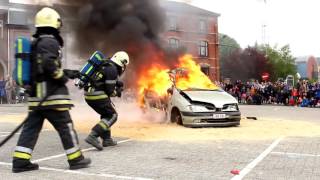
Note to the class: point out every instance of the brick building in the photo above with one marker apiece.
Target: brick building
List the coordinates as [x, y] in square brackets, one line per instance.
[196, 30]
[16, 19]
[187, 26]
[308, 67]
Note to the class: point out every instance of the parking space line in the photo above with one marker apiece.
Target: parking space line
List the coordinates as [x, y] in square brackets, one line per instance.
[78, 172]
[295, 154]
[83, 150]
[256, 161]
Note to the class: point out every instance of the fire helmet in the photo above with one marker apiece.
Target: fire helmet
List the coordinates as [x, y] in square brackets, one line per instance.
[48, 17]
[121, 58]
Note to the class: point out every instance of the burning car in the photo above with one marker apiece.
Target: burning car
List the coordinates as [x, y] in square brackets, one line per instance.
[202, 108]
[190, 98]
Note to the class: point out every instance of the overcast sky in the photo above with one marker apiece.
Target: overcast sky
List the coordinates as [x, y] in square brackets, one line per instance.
[293, 22]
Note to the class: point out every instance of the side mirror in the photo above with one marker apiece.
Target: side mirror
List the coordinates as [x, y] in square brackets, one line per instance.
[170, 91]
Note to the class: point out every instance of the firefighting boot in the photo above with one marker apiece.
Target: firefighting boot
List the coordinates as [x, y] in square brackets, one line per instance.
[79, 163]
[22, 165]
[94, 141]
[109, 142]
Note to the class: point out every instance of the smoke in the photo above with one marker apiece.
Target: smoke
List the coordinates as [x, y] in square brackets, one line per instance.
[112, 25]
[128, 111]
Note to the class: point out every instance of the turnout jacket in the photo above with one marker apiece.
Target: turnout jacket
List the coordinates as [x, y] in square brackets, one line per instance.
[104, 85]
[48, 77]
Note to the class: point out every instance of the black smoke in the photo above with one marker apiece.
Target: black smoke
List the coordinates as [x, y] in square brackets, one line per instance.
[134, 26]
[112, 25]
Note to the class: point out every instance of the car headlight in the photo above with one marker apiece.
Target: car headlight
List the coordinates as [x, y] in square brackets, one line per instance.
[197, 108]
[230, 107]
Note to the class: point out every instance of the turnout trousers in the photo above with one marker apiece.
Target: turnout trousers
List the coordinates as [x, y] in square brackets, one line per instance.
[61, 121]
[108, 116]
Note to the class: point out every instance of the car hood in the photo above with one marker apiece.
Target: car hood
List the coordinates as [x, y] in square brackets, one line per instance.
[218, 98]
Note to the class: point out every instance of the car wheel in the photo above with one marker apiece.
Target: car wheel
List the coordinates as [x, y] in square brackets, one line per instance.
[176, 116]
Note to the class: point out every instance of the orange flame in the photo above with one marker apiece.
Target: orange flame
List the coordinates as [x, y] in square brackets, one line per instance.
[195, 77]
[157, 78]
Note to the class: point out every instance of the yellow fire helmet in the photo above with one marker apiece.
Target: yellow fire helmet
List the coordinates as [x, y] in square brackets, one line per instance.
[48, 17]
[121, 58]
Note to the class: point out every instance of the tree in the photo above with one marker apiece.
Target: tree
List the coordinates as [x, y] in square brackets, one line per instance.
[227, 47]
[283, 63]
[246, 64]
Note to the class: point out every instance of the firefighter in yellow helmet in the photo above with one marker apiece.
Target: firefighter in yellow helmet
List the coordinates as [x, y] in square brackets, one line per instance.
[49, 98]
[98, 95]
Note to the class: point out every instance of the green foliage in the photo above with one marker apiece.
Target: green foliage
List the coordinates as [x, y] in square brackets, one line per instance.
[227, 46]
[283, 63]
[252, 61]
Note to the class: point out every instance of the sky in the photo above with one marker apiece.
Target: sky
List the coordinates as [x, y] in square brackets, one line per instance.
[293, 22]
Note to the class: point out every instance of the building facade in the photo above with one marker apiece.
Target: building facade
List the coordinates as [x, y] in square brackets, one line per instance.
[195, 30]
[308, 67]
[15, 20]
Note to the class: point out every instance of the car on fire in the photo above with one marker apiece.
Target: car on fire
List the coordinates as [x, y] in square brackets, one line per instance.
[197, 107]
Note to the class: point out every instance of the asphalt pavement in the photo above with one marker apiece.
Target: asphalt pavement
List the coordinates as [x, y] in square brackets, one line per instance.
[284, 157]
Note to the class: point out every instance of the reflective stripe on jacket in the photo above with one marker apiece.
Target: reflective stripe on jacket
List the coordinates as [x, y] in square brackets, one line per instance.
[95, 95]
[48, 77]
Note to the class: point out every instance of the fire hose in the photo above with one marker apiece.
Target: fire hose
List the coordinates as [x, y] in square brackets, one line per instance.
[5, 140]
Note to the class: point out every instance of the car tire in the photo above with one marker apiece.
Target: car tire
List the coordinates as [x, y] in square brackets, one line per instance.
[176, 117]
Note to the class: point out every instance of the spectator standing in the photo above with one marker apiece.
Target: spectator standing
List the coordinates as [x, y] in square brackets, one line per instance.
[2, 91]
[9, 89]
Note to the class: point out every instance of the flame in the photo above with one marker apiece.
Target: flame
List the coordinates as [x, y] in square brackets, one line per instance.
[195, 77]
[156, 79]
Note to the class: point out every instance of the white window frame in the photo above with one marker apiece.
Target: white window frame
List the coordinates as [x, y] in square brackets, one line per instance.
[174, 45]
[172, 23]
[1, 31]
[204, 46]
[204, 28]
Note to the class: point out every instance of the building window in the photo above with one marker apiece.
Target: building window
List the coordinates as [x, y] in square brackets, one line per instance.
[203, 49]
[206, 70]
[1, 29]
[174, 43]
[203, 26]
[173, 23]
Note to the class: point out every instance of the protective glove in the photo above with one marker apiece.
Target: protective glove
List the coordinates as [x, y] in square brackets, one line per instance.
[119, 84]
[119, 91]
[72, 74]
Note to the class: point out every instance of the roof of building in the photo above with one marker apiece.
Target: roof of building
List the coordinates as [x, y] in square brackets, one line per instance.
[186, 8]
[302, 59]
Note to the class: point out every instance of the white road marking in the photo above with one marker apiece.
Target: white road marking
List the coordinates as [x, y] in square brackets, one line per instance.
[256, 161]
[78, 172]
[296, 154]
[83, 150]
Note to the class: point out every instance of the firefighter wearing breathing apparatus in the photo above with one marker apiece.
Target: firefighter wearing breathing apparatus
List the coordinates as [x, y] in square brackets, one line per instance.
[97, 95]
[49, 97]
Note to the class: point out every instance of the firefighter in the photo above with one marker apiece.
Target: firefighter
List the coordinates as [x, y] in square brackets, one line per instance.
[106, 85]
[49, 97]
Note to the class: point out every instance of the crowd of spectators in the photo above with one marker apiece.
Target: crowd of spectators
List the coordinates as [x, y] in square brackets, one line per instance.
[10, 93]
[302, 94]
